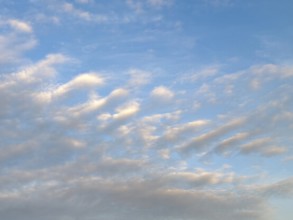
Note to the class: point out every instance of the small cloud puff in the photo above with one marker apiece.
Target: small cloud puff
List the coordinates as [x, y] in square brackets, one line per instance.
[162, 93]
[20, 26]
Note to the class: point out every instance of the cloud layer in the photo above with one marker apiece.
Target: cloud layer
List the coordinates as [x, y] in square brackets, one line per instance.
[86, 138]
[104, 153]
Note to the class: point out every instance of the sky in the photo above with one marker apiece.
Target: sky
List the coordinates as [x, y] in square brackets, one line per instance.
[146, 109]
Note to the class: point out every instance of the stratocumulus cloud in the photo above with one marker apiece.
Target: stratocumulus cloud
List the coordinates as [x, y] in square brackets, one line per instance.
[128, 131]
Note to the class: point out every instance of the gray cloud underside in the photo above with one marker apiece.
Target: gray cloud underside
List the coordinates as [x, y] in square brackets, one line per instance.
[95, 199]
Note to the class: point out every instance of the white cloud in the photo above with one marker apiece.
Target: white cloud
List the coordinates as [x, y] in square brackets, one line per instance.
[201, 74]
[92, 105]
[44, 68]
[262, 74]
[202, 140]
[207, 92]
[20, 25]
[21, 89]
[175, 131]
[173, 116]
[84, 80]
[13, 42]
[198, 178]
[137, 144]
[120, 167]
[273, 151]
[80, 141]
[231, 141]
[109, 151]
[262, 146]
[162, 93]
[104, 116]
[126, 111]
[255, 145]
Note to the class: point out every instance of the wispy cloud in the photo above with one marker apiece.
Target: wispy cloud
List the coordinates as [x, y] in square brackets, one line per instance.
[16, 41]
[85, 15]
[20, 25]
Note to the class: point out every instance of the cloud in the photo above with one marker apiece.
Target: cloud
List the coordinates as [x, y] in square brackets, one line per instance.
[140, 12]
[204, 139]
[97, 103]
[94, 197]
[41, 70]
[126, 111]
[207, 93]
[10, 152]
[20, 26]
[143, 143]
[15, 41]
[282, 188]
[138, 77]
[229, 142]
[282, 71]
[85, 15]
[162, 93]
[140, 7]
[268, 72]
[262, 146]
[85, 80]
[155, 118]
[255, 145]
[199, 178]
[176, 131]
[111, 149]
[201, 74]
[273, 151]
[137, 6]
[111, 167]
[19, 89]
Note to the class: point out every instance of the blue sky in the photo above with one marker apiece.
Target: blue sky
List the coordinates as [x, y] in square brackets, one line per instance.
[146, 109]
